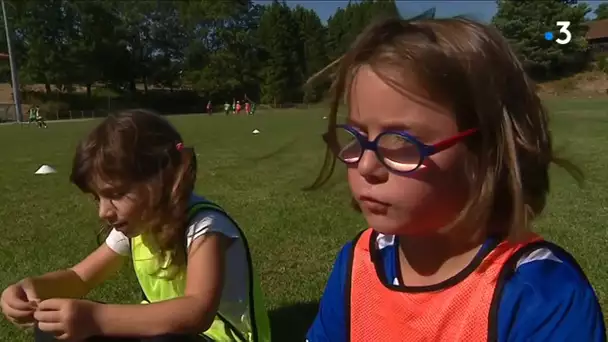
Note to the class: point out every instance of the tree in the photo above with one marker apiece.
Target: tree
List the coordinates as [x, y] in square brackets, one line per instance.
[136, 22]
[524, 24]
[46, 30]
[17, 44]
[231, 57]
[235, 48]
[312, 52]
[336, 30]
[195, 12]
[346, 24]
[280, 74]
[601, 12]
[169, 40]
[94, 43]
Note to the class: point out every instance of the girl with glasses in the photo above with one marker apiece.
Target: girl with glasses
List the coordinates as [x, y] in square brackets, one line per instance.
[447, 149]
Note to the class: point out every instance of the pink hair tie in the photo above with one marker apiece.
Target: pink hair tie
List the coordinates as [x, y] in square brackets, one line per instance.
[179, 146]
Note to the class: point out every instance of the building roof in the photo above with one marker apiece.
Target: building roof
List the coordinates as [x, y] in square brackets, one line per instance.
[597, 29]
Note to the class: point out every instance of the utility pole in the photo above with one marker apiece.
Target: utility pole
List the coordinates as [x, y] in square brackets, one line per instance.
[14, 75]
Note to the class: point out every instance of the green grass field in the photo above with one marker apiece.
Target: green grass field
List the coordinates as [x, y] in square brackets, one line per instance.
[47, 224]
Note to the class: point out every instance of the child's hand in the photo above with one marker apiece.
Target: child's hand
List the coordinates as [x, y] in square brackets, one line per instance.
[18, 303]
[71, 319]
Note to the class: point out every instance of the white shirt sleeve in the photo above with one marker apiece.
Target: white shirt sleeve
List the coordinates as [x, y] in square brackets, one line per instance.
[208, 221]
[204, 222]
[119, 243]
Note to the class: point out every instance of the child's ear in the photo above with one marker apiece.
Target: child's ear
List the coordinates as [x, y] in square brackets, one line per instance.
[355, 205]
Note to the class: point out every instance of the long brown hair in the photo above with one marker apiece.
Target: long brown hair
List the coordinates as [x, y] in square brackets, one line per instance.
[470, 68]
[141, 147]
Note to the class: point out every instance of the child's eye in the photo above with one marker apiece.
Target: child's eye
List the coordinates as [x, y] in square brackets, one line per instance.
[113, 194]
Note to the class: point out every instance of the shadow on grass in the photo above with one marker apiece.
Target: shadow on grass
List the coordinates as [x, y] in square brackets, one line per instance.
[279, 150]
[290, 323]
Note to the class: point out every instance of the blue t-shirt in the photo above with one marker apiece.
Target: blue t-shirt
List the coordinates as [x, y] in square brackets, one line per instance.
[547, 298]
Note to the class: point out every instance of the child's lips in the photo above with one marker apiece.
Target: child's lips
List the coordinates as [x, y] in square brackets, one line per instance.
[373, 205]
[120, 226]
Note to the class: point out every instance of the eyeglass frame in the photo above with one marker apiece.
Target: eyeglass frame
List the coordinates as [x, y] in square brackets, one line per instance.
[425, 151]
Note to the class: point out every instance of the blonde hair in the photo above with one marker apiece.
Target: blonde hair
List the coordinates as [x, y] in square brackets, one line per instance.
[470, 68]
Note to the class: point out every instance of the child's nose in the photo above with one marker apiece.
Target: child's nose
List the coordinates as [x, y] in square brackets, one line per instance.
[106, 209]
[370, 167]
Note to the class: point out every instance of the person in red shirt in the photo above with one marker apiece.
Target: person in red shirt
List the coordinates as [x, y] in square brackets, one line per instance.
[209, 108]
[247, 108]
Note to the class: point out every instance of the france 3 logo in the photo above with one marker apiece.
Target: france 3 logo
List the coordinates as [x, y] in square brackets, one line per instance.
[564, 35]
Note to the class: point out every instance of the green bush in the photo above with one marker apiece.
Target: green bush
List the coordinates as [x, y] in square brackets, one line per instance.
[105, 92]
[602, 64]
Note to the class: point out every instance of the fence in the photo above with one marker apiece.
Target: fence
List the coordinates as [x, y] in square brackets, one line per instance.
[74, 114]
[8, 114]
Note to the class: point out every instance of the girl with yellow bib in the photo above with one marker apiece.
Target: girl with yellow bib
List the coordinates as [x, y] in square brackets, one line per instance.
[191, 259]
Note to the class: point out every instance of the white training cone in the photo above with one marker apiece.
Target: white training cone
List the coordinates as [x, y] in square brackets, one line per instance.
[45, 170]
[255, 131]
[325, 118]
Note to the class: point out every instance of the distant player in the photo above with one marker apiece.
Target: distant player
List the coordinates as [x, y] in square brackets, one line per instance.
[34, 116]
[226, 108]
[39, 119]
[209, 108]
[238, 107]
[252, 108]
[31, 113]
[248, 108]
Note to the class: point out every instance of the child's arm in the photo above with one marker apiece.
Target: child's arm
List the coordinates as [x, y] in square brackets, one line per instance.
[330, 323]
[192, 313]
[77, 281]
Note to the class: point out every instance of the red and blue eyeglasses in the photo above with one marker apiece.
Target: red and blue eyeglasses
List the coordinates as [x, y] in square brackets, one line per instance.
[398, 151]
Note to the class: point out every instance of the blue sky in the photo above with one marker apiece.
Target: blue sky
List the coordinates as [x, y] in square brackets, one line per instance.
[480, 10]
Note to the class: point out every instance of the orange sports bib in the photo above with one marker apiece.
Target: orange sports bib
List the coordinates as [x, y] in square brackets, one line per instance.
[456, 313]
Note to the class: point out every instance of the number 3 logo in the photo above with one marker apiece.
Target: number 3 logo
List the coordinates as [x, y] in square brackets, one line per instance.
[563, 25]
